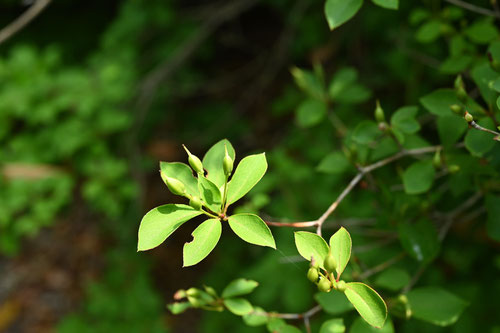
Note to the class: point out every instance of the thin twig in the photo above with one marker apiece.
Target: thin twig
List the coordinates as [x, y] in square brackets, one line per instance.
[450, 217]
[474, 8]
[308, 314]
[23, 20]
[478, 127]
[380, 267]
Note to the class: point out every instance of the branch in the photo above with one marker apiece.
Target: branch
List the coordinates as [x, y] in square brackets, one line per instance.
[474, 8]
[23, 20]
[308, 314]
[473, 124]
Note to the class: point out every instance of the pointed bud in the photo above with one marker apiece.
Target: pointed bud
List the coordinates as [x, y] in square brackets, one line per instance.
[453, 168]
[437, 161]
[193, 292]
[312, 274]
[379, 113]
[341, 286]
[457, 109]
[227, 163]
[330, 263]
[195, 202]
[194, 161]
[175, 186]
[324, 285]
[468, 117]
[459, 82]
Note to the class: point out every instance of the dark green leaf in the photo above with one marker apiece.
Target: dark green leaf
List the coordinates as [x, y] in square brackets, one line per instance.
[360, 326]
[439, 101]
[161, 222]
[482, 32]
[418, 177]
[333, 163]
[388, 4]
[239, 287]
[392, 279]
[366, 132]
[483, 75]
[420, 240]
[205, 238]
[404, 119]
[429, 31]
[450, 129]
[248, 173]
[309, 83]
[479, 142]
[252, 229]
[493, 222]
[311, 112]
[338, 12]
[334, 303]
[367, 302]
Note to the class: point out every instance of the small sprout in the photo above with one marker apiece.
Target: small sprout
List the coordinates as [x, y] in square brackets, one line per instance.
[330, 263]
[459, 82]
[379, 113]
[194, 161]
[437, 160]
[195, 202]
[227, 163]
[453, 168]
[312, 274]
[468, 117]
[324, 285]
[460, 89]
[456, 108]
[341, 286]
[193, 292]
[175, 186]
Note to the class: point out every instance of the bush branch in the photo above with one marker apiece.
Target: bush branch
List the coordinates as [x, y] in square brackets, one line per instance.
[474, 8]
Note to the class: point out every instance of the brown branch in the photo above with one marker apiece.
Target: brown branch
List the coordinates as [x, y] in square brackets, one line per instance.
[474, 8]
[478, 127]
[22, 21]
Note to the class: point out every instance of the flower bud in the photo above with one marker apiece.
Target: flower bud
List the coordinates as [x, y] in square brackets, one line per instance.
[312, 274]
[175, 186]
[194, 161]
[195, 202]
[379, 113]
[193, 292]
[457, 109]
[459, 83]
[227, 163]
[453, 168]
[468, 117]
[341, 286]
[330, 263]
[324, 285]
[437, 161]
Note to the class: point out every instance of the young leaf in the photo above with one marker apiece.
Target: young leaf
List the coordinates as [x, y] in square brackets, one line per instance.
[238, 306]
[161, 222]
[438, 102]
[178, 307]
[334, 303]
[360, 326]
[248, 173]
[257, 317]
[392, 279]
[252, 229]
[239, 287]
[404, 119]
[205, 238]
[335, 162]
[450, 129]
[333, 326]
[340, 245]
[311, 245]
[338, 12]
[210, 194]
[212, 161]
[310, 112]
[418, 178]
[367, 302]
[435, 305]
[420, 240]
[181, 172]
[366, 132]
[388, 4]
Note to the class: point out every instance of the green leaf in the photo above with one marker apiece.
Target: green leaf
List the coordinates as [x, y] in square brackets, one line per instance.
[435, 305]
[456, 64]
[338, 12]
[311, 245]
[340, 245]
[308, 82]
[354, 94]
[439, 101]
[392, 279]
[479, 142]
[181, 172]
[367, 302]
[418, 177]
[450, 129]
[239, 287]
[257, 317]
[366, 132]
[482, 75]
[429, 31]
[161, 222]
[342, 79]
[205, 238]
[493, 221]
[238, 306]
[388, 4]
[288, 329]
[252, 229]
[404, 119]
[360, 326]
[210, 194]
[420, 240]
[248, 173]
[333, 326]
[310, 112]
[481, 32]
[212, 161]
[334, 163]
[334, 303]
[178, 307]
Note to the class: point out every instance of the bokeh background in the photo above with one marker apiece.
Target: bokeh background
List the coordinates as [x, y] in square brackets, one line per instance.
[94, 93]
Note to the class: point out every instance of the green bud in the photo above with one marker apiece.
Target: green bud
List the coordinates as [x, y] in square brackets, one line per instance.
[324, 285]
[193, 292]
[175, 186]
[312, 274]
[456, 108]
[453, 168]
[468, 117]
[459, 83]
[379, 113]
[462, 95]
[437, 161]
[330, 263]
[195, 302]
[495, 64]
[227, 163]
[341, 286]
[194, 161]
[195, 202]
